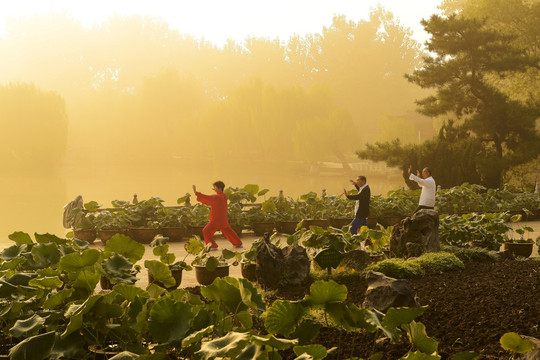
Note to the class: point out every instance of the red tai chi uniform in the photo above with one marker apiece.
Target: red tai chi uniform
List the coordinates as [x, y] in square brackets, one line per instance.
[218, 219]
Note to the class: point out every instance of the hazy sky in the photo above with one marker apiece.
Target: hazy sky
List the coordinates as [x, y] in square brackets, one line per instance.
[218, 20]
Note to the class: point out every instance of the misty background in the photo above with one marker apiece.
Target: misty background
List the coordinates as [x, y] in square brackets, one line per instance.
[133, 106]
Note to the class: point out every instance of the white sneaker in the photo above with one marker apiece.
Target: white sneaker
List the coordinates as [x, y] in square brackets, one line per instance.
[241, 246]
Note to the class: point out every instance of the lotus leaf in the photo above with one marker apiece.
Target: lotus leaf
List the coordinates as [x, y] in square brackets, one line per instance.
[34, 348]
[170, 321]
[418, 337]
[283, 317]
[27, 326]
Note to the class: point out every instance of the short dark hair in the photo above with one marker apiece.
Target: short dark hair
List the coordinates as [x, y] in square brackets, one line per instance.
[220, 185]
[363, 178]
[428, 170]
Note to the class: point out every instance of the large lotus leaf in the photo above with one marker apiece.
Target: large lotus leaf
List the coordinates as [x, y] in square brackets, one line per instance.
[49, 238]
[6, 289]
[306, 331]
[418, 355]
[419, 338]
[375, 318]
[274, 342]
[155, 291]
[197, 336]
[396, 316]
[169, 321]
[21, 279]
[194, 246]
[34, 348]
[12, 252]
[46, 283]
[125, 355]
[130, 291]
[46, 254]
[75, 262]
[203, 318]
[75, 323]
[350, 316]
[86, 280]
[160, 272]
[27, 326]
[228, 254]
[13, 264]
[253, 189]
[244, 317]
[124, 245]
[20, 238]
[283, 317]
[514, 342]
[324, 292]
[57, 299]
[250, 296]
[251, 352]
[226, 293]
[466, 355]
[226, 346]
[72, 347]
[80, 244]
[118, 269]
[316, 351]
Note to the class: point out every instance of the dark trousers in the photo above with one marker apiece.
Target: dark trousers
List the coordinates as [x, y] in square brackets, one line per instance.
[357, 223]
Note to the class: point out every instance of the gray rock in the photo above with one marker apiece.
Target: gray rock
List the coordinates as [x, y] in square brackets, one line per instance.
[534, 354]
[384, 292]
[296, 264]
[506, 255]
[421, 230]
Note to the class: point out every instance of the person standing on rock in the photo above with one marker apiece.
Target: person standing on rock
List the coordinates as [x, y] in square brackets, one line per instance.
[427, 183]
[218, 216]
[361, 208]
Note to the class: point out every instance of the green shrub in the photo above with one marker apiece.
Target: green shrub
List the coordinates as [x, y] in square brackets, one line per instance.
[471, 254]
[397, 268]
[439, 262]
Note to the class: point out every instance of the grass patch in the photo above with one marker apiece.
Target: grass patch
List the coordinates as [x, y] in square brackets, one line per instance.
[471, 254]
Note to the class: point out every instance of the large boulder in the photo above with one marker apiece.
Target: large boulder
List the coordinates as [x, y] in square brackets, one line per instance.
[416, 235]
[384, 292]
[534, 354]
[287, 266]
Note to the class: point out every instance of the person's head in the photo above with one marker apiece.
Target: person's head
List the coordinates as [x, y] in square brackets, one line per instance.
[218, 185]
[361, 180]
[426, 172]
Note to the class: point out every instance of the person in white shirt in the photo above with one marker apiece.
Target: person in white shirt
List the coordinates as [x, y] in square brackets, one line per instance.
[427, 183]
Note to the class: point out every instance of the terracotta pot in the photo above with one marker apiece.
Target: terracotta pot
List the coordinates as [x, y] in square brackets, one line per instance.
[323, 223]
[519, 249]
[248, 271]
[105, 235]
[206, 277]
[372, 222]
[260, 228]
[173, 233]
[86, 235]
[142, 235]
[177, 275]
[340, 222]
[196, 230]
[286, 227]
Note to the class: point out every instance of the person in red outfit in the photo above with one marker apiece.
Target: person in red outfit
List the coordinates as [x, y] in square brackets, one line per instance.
[218, 216]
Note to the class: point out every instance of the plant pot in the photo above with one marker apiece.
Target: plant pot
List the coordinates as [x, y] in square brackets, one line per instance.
[519, 249]
[238, 230]
[142, 235]
[105, 235]
[340, 222]
[206, 277]
[390, 220]
[196, 230]
[323, 223]
[173, 233]
[248, 271]
[372, 222]
[177, 275]
[260, 228]
[286, 227]
[86, 235]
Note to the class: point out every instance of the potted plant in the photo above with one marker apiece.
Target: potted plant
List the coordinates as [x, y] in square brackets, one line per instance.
[237, 217]
[248, 262]
[287, 212]
[198, 216]
[340, 211]
[117, 261]
[143, 219]
[260, 218]
[522, 245]
[314, 210]
[207, 266]
[167, 272]
[84, 225]
[173, 222]
[109, 223]
[238, 197]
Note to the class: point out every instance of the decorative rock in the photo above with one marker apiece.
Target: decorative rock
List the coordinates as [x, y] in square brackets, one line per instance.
[275, 265]
[506, 255]
[384, 292]
[356, 259]
[421, 230]
[534, 354]
[296, 263]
